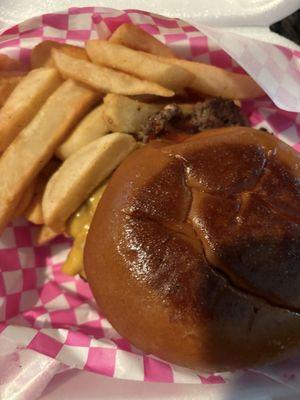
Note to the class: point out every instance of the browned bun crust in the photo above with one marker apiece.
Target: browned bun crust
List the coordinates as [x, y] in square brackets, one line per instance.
[194, 252]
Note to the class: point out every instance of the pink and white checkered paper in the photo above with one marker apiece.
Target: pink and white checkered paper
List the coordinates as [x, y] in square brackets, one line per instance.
[44, 310]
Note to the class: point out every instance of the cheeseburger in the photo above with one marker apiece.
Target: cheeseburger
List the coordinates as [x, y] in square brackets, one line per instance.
[193, 253]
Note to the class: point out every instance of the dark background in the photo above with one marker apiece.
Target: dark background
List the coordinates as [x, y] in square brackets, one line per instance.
[289, 27]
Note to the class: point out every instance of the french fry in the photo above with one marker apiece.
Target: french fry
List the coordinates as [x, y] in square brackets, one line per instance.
[137, 63]
[104, 79]
[123, 114]
[7, 85]
[35, 145]
[26, 199]
[33, 211]
[25, 101]
[41, 53]
[45, 234]
[9, 64]
[210, 80]
[80, 174]
[90, 128]
[132, 36]
[12, 73]
[217, 82]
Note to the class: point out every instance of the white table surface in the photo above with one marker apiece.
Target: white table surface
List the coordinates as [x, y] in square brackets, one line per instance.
[79, 385]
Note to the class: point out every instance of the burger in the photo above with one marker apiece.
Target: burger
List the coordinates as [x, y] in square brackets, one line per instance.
[193, 253]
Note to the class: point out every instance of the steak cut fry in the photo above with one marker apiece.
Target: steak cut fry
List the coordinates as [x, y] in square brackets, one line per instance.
[137, 63]
[91, 127]
[35, 145]
[123, 114]
[10, 64]
[104, 79]
[7, 85]
[41, 54]
[33, 212]
[25, 101]
[80, 174]
[132, 36]
[217, 82]
[44, 234]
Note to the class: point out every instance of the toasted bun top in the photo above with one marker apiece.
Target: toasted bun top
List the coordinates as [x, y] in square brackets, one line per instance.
[194, 251]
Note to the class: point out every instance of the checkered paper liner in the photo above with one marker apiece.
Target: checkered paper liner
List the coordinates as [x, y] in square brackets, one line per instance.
[44, 310]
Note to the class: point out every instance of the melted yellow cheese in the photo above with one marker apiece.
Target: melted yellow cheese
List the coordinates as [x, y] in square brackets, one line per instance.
[74, 262]
[78, 227]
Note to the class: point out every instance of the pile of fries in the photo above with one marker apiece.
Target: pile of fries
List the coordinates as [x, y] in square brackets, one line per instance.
[68, 123]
